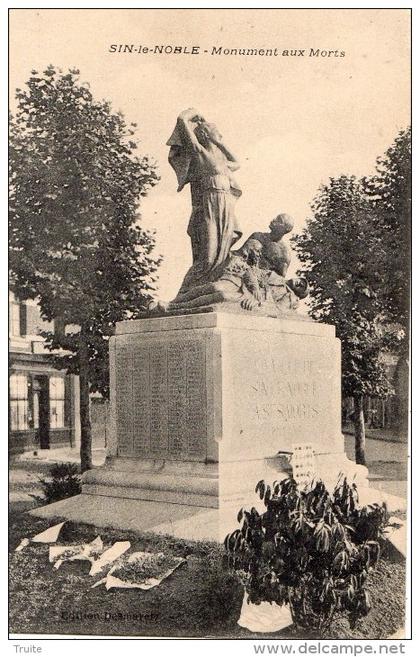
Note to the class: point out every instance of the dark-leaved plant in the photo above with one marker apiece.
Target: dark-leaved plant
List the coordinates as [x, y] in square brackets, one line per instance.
[310, 549]
[64, 482]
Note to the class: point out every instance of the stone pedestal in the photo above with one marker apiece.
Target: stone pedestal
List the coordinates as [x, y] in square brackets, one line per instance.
[202, 404]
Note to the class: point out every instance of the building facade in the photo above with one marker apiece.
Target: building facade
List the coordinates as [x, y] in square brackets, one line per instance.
[43, 401]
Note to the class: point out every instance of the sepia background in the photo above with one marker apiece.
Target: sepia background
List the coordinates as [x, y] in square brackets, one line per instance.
[292, 121]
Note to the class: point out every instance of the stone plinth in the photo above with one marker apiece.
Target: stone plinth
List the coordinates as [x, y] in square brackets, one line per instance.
[201, 406]
[206, 386]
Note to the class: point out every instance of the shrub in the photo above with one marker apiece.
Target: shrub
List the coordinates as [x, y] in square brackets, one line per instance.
[64, 482]
[309, 549]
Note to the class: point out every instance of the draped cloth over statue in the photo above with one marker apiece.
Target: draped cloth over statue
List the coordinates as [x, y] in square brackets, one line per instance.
[206, 166]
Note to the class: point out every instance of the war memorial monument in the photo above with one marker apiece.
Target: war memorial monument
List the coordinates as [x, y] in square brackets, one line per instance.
[223, 386]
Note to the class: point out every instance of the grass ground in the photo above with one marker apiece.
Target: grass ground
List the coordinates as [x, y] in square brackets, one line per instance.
[200, 599]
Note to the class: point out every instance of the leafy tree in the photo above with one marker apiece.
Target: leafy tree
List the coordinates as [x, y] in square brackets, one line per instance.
[75, 244]
[339, 251]
[389, 192]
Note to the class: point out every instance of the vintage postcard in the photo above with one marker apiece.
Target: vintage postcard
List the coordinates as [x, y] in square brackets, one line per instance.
[209, 324]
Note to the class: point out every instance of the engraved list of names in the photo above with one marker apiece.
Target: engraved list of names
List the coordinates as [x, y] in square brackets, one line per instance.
[161, 400]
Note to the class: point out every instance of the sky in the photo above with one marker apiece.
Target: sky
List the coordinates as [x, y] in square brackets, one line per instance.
[293, 122]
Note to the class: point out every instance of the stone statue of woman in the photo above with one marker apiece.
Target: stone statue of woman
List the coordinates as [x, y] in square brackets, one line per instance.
[200, 158]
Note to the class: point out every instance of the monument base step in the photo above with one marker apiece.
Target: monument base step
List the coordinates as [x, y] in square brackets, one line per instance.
[208, 485]
[160, 484]
[178, 520]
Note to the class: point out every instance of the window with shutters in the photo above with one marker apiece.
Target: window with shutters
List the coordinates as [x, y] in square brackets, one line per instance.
[19, 402]
[14, 320]
[57, 402]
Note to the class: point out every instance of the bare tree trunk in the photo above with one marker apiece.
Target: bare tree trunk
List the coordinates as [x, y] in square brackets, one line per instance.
[85, 427]
[359, 430]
